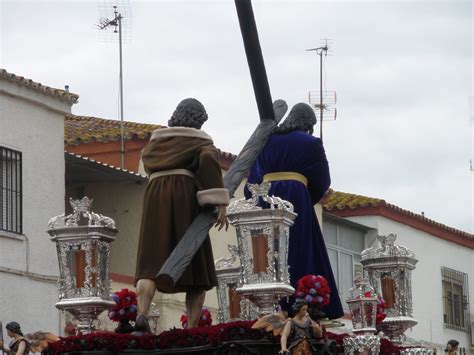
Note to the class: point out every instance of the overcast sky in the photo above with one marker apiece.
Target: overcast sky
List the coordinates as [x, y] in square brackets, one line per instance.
[402, 72]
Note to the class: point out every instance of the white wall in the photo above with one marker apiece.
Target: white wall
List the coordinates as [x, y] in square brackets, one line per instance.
[32, 123]
[432, 254]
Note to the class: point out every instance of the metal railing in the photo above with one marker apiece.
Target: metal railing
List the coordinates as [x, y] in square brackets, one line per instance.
[11, 205]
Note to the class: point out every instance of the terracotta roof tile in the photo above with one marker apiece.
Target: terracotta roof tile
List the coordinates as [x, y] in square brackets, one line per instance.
[342, 200]
[337, 201]
[58, 93]
[87, 129]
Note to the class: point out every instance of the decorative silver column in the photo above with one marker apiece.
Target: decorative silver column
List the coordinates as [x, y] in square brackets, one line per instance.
[83, 246]
[389, 271]
[232, 307]
[262, 235]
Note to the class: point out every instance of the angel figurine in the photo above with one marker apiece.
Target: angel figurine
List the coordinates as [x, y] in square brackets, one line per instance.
[297, 331]
[41, 340]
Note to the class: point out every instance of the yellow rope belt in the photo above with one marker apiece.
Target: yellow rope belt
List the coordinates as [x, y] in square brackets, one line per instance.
[171, 172]
[286, 175]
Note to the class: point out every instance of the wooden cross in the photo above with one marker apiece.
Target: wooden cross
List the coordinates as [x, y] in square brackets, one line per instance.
[270, 114]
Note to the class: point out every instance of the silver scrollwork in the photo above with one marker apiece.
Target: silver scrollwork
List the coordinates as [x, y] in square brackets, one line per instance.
[361, 343]
[83, 246]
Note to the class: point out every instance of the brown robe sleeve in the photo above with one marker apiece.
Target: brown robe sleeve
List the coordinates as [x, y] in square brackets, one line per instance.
[209, 179]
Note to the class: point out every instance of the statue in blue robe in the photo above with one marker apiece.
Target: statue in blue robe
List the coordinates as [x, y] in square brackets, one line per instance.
[295, 163]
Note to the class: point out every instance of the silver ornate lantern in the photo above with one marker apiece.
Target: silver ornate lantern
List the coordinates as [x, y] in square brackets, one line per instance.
[262, 235]
[362, 302]
[83, 246]
[232, 307]
[389, 271]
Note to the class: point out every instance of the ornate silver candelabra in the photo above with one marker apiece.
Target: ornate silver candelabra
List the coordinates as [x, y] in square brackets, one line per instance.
[83, 246]
[362, 302]
[389, 271]
[262, 235]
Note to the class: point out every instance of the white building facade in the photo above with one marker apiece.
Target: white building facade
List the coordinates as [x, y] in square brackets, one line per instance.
[443, 281]
[31, 192]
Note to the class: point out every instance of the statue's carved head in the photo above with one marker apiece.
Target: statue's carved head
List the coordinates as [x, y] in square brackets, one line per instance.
[189, 113]
[300, 118]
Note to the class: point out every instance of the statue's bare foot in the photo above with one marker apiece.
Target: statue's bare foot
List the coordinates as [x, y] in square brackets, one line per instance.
[141, 325]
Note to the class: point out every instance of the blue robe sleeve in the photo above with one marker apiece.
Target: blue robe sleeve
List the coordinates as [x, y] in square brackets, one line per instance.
[318, 175]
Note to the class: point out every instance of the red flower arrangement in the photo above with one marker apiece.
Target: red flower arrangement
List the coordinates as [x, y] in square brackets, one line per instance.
[125, 306]
[204, 321]
[314, 290]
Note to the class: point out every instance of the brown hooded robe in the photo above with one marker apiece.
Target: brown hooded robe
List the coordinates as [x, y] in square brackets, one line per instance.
[172, 202]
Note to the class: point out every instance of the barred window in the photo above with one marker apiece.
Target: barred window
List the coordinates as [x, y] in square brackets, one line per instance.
[455, 299]
[10, 191]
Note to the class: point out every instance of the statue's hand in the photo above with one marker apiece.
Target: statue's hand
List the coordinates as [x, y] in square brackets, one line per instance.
[222, 218]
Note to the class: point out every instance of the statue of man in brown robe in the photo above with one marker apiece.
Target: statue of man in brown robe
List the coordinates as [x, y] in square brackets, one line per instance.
[185, 176]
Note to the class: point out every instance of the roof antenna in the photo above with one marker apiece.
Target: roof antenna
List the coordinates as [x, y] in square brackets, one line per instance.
[114, 16]
[323, 101]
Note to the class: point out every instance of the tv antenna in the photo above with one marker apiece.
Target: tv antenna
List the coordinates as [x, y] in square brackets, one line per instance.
[323, 101]
[115, 18]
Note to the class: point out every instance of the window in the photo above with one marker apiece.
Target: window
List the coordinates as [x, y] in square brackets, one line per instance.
[10, 191]
[344, 244]
[455, 299]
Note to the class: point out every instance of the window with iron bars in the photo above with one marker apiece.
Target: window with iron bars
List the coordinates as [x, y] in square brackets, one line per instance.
[11, 208]
[455, 299]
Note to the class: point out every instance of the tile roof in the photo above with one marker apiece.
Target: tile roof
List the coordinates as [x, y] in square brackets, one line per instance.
[105, 165]
[342, 200]
[346, 204]
[87, 129]
[58, 93]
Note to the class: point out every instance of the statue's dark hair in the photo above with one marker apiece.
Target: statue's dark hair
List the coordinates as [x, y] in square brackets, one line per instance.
[14, 327]
[301, 118]
[299, 303]
[451, 345]
[189, 113]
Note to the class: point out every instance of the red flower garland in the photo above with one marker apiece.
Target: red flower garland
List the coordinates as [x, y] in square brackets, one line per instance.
[179, 338]
[204, 321]
[313, 290]
[125, 306]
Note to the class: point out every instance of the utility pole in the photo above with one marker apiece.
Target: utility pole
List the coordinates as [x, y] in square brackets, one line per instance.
[116, 24]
